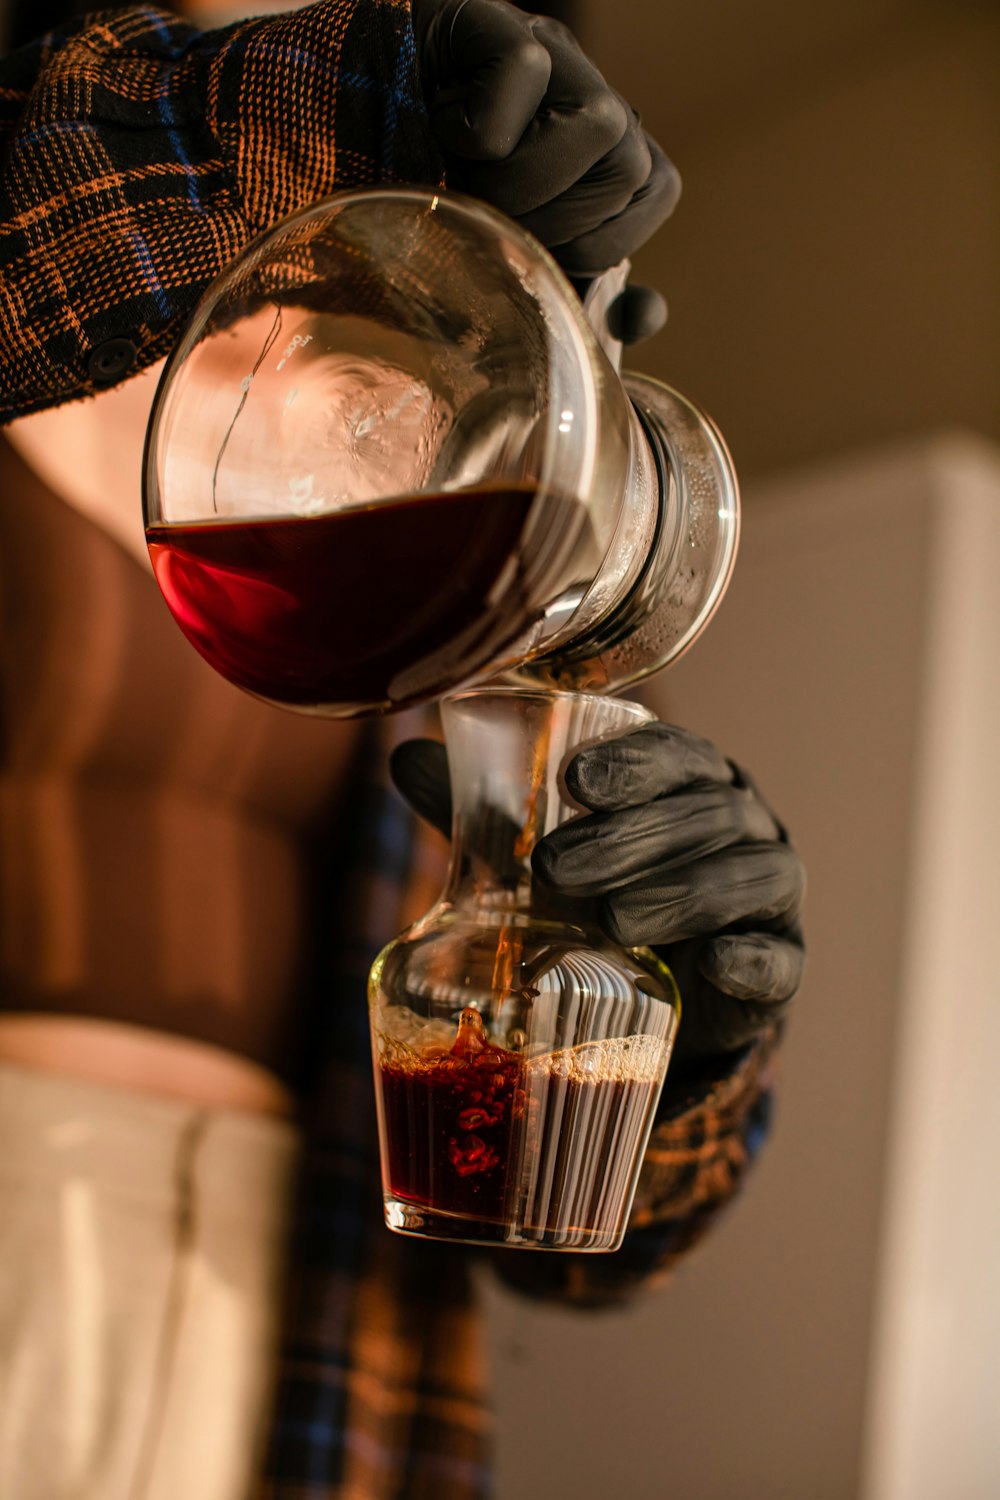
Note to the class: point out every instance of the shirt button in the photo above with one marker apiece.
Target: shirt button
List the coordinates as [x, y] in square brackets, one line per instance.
[110, 360]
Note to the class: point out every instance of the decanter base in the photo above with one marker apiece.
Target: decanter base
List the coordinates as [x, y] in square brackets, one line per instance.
[433, 1224]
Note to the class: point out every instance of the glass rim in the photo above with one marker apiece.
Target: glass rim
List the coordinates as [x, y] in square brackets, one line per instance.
[549, 695]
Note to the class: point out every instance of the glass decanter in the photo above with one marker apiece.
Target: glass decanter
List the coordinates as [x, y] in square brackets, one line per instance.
[390, 456]
[519, 1053]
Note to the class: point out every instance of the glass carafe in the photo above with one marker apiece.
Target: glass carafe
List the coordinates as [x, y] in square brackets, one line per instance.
[519, 1053]
[390, 456]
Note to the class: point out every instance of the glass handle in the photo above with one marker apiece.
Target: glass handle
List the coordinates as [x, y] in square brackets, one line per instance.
[597, 298]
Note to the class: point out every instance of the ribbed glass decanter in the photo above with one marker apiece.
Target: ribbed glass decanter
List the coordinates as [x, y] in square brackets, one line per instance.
[519, 1053]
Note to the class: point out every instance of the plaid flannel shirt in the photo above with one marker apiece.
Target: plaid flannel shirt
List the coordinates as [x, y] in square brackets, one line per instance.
[139, 156]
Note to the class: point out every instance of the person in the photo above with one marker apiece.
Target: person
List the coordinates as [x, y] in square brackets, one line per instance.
[195, 884]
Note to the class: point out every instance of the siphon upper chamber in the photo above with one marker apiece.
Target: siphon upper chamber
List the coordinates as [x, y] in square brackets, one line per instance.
[390, 457]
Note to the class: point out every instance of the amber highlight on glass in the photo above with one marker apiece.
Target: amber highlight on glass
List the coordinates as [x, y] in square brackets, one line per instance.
[519, 1054]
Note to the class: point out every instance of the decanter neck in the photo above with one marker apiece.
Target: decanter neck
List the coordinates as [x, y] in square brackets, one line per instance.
[507, 753]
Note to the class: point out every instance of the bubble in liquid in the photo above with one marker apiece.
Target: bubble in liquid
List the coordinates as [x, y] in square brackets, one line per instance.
[398, 1024]
[471, 1038]
[626, 1059]
[405, 1037]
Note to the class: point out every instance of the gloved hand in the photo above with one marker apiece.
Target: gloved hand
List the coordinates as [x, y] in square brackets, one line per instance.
[687, 859]
[527, 123]
[684, 857]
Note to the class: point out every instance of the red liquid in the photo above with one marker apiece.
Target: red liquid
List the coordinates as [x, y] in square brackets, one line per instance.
[448, 1119]
[478, 1133]
[364, 608]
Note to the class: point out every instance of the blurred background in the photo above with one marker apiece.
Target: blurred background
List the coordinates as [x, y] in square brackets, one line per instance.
[832, 275]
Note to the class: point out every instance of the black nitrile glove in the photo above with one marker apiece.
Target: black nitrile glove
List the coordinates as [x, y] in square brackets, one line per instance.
[419, 771]
[527, 123]
[636, 314]
[688, 860]
[684, 857]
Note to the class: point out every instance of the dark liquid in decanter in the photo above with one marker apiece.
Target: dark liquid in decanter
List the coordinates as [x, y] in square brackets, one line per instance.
[481, 1132]
[365, 608]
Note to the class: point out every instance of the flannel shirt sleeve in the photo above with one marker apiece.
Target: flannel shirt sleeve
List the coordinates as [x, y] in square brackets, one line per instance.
[701, 1146]
[139, 155]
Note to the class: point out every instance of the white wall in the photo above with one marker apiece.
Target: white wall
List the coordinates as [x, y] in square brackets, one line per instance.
[936, 1369]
